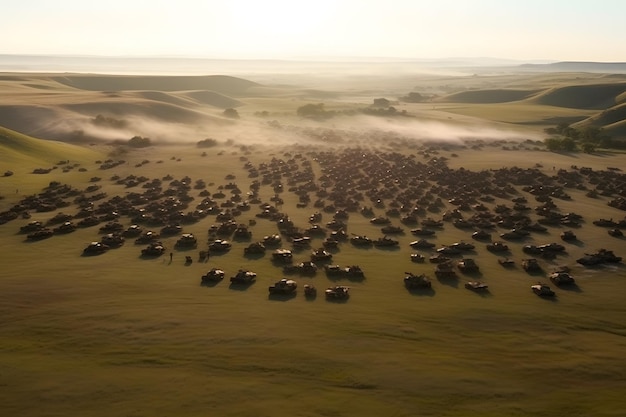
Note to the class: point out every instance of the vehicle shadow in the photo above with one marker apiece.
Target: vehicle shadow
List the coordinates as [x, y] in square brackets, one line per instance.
[485, 293]
[388, 248]
[570, 287]
[449, 281]
[209, 284]
[421, 292]
[239, 287]
[472, 274]
[282, 297]
[337, 300]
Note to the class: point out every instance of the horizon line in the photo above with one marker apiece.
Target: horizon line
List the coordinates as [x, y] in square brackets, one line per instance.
[318, 58]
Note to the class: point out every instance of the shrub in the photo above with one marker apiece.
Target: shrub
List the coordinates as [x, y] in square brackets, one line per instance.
[588, 147]
[560, 144]
[381, 102]
[413, 97]
[139, 142]
[231, 113]
[111, 122]
[314, 111]
[206, 143]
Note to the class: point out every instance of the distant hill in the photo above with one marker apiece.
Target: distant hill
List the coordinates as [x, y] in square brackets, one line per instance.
[609, 99]
[588, 97]
[219, 83]
[574, 66]
[60, 106]
[162, 97]
[150, 109]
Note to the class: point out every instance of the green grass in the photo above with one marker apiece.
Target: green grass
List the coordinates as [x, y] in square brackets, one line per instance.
[519, 113]
[114, 334]
[489, 96]
[612, 120]
[21, 151]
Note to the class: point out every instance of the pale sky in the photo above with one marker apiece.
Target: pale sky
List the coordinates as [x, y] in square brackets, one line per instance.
[282, 29]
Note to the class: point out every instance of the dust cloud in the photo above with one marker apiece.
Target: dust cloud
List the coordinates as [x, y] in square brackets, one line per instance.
[342, 130]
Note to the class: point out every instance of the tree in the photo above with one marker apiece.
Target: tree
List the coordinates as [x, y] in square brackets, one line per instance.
[588, 138]
[139, 142]
[588, 147]
[572, 133]
[231, 113]
[413, 97]
[381, 102]
[314, 111]
[591, 133]
[554, 144]
[206, 143]
[561, 128]
[568, 144]
[110, 122]
[560, 144]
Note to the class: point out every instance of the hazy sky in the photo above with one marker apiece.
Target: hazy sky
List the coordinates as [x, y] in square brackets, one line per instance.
[271, 29]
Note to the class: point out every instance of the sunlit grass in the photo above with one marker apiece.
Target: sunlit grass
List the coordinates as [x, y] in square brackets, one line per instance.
[115, 334]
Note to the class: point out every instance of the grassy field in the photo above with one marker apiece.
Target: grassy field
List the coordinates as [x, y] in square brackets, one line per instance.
[117, 334]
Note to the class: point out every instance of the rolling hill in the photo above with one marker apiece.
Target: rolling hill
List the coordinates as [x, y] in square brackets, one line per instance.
[591, 97]
[488, 96]
[611, 120]
[212, 99]
[578, 66]
[219, 83]
[26, 118]
[18, 149]
[143, 108]
[609, 99]
[163, 97]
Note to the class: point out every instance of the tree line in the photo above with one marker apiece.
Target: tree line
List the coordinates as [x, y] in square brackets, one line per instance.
[587, 139]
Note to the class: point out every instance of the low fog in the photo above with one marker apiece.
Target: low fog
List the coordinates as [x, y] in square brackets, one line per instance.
[341, 130]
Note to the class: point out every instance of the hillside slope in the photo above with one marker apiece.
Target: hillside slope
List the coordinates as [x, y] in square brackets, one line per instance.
[19, 149]
[213, 99]
[611, 120]
[580, 101]
[144, 108]
[609, 116]
[578, 66]
[592, 97]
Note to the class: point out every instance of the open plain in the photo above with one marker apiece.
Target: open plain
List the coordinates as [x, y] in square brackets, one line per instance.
[119, 333]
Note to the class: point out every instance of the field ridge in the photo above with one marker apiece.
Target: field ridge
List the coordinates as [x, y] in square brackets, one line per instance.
[220, 83]
[489, 96]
